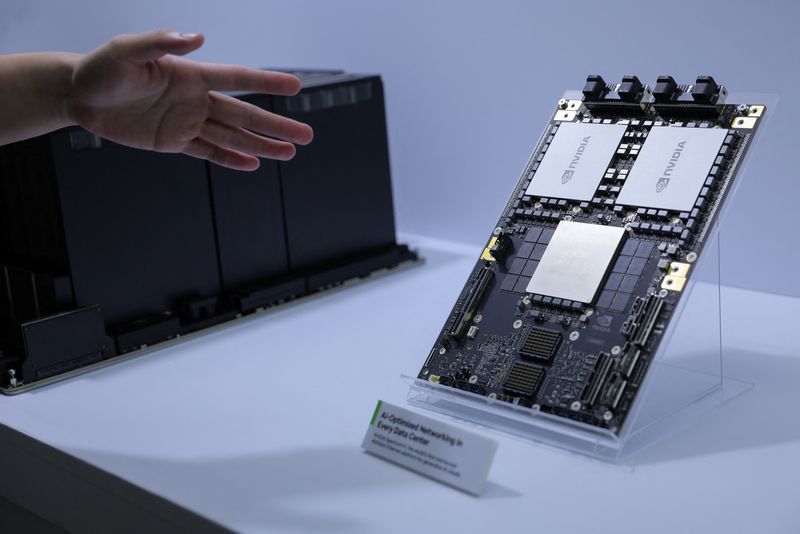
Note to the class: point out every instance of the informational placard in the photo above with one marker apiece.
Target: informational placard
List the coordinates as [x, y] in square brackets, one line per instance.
[444, 452]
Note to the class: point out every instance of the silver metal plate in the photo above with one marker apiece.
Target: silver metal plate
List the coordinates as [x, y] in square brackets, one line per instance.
[576, 161]
[576, 261]
[672, 167]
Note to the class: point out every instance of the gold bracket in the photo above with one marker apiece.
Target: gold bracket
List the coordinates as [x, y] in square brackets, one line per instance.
[677, 268]
[565, 115]
[676, 276]
[673, 283]
[487, 252]
[744, 123]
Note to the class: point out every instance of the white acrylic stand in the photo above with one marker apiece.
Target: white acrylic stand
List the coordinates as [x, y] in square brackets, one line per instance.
[685, 379]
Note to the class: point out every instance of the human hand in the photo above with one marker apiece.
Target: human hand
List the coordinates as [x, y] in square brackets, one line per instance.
[135, 91]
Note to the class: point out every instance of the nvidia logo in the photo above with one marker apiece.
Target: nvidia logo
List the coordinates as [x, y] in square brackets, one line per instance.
[663, 182]
[567, 176]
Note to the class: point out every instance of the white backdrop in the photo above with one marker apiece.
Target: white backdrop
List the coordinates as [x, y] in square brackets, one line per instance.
[471, 84]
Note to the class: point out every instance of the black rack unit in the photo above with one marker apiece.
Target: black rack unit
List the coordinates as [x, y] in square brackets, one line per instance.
[105, 249]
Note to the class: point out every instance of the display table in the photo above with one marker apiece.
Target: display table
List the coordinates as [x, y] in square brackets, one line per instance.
[257, 426]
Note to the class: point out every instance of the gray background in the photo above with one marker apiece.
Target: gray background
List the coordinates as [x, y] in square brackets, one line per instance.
[470, 86]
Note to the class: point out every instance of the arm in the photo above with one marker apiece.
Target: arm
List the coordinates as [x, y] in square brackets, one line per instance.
[136, 90]
[34, 89]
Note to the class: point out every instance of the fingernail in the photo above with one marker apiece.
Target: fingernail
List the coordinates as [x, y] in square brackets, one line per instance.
[185, 35]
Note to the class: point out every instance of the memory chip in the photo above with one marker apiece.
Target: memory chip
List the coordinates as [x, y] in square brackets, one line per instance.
[671, 167]
[576, 161]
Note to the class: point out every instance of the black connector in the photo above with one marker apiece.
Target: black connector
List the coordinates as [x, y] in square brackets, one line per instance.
[601, 370]
[665, 88]
[471, 303]
[630, 90]
[595, 87]
[703, 99]
[705, 90]
[626, 97]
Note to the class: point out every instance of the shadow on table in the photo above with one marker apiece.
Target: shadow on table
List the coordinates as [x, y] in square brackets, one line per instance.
[287, 491]
[764, 416]
[373, 288]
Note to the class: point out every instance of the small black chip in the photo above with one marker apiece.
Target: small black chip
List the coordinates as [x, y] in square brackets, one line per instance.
[523, 379]
[541, 344]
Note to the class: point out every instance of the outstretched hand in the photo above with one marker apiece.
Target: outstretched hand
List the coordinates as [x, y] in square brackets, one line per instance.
[136, 91]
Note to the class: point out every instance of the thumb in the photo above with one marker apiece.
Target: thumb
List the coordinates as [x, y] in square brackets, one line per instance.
[153, 44]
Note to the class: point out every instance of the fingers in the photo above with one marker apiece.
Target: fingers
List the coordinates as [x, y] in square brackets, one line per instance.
[238, 78]
[200, 148]
[241, 140]
[226, 138]
[236, 148]
[152, 45]
[237, 114]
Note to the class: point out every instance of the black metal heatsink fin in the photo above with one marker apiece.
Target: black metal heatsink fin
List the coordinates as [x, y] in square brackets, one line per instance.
[523, 379]
[541, 344]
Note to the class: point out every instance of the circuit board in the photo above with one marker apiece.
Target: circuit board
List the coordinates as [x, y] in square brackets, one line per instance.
[578, 281]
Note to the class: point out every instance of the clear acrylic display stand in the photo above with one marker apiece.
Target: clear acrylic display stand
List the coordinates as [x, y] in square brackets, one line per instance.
[685, 379]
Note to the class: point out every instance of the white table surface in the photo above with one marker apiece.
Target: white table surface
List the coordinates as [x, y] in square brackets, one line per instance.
[258, 426]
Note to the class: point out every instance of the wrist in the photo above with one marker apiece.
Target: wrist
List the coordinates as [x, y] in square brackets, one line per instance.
[63, 94]
[35, 94]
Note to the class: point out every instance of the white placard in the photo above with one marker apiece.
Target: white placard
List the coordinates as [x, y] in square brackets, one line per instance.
[438, 450]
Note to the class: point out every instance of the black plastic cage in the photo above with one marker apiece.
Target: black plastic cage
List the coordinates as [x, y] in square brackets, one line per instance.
[105, 249]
